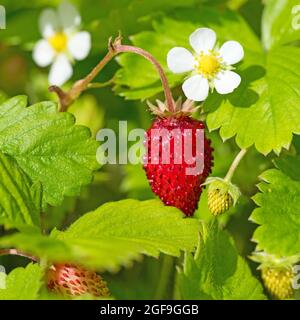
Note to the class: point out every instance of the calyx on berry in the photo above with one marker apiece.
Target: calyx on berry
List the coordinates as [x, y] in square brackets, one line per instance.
[186, 108]
[277, 273]
[222, 195]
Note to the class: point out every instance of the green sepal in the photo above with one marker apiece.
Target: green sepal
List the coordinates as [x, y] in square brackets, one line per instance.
[223, 186]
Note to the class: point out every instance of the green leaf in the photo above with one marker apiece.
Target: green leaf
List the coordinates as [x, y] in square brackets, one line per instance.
[23, 283]
[48, 147]
[278, 214]
[114, 235]
[101, 253]
[3, 277]
[137, 79]
[19, 198]
[126, 15]
[268, 99]
[281, 22]
[217, 271]
[289, 165]
[140, 222]
[296, 144]
[265, 109]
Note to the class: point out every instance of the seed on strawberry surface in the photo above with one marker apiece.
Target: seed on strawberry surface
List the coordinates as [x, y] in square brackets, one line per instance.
[170, 179]
[277, 273]
[73, 280]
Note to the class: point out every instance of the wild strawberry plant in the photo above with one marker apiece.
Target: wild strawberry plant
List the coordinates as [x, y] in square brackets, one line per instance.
[91, 231]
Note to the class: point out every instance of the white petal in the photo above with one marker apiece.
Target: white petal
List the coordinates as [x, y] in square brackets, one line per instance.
[180, 60]
[43, 53]
[69, 16]
[227, 81]
[203, 39]
[231, 52]
[48, 23]
[80, 45]
[61, 71]
[196, 88]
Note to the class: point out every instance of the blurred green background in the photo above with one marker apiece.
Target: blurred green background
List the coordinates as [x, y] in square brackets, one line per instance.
[99, 108]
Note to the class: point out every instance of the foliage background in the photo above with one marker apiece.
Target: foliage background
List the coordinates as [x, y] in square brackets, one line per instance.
[103, 107]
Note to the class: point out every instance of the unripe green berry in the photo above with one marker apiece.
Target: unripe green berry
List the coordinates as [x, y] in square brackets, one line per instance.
[219, 202]
[278, 282]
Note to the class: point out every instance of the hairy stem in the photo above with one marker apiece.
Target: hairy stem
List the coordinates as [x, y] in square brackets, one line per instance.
[17, 252]
[235, 164]
[115, 47]
[163, 78]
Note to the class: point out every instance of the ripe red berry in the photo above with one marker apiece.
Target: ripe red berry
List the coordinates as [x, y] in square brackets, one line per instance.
[72, 280]
[170, 181]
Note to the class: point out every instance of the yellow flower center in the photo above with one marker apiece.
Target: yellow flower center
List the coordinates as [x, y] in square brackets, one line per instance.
[58, 41]
[208, 65]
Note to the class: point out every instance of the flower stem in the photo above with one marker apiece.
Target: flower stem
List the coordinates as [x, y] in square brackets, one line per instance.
[235, 164]
[115, 47]
[17, 252]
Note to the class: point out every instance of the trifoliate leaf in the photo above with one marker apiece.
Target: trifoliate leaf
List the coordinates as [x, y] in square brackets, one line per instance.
[217, 272]
[265, 109]
[281, 22]
[114, 235]
[48, 147]
[23, 283]
[19, 198]
[278, 214]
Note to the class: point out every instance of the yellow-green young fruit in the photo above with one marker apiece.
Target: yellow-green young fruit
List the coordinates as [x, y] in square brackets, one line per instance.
[278, 282]
[219, 202]
[222, 195]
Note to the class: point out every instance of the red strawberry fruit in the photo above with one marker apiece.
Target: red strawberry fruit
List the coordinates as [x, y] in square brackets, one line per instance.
[169, 180]
[72, 280]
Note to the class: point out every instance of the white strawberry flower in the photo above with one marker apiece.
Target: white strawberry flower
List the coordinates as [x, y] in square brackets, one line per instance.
[62, 42]
[211, 66]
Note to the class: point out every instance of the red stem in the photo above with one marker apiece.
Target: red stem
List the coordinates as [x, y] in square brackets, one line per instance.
[168, 94]
[17, 252]
[66, 98]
